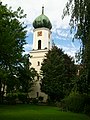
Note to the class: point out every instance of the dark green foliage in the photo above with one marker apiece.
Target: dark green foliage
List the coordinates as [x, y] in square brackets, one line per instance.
[12, 39]
[14, 67]
[58, 71]
[26, 75]
[76, 102]
[35, 100]
[11, 98]
[81, 83]
[12, 34]
[80, 19]
[40, 99]
[87, 109]
[21, 84]
[22, 97]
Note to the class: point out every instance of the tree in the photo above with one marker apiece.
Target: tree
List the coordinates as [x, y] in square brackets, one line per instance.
[80, 18]
[12, 39]
[25, 78]
[26, 75]
[58, 70]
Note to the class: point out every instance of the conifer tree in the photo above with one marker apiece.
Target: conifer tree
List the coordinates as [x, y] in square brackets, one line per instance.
[58, 71]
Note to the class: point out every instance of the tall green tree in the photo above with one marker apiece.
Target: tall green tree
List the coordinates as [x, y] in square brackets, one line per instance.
[58, 71]
[26, 75]
[12, 39]
[80, 18]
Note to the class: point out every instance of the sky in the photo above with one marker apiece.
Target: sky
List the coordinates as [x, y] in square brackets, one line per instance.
[61, 35]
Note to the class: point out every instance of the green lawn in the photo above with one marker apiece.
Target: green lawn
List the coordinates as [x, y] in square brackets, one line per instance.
[33, 112]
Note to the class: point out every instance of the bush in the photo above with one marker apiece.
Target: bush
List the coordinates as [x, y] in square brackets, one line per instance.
[40, 99]
[11, 98]
[75, 103]
[28, 100]
[87, 105]
[87, 109]
[22, 97]
[35, 100]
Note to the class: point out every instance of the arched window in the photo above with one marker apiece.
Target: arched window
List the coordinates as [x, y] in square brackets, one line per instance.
[39, 44]
[38, 63]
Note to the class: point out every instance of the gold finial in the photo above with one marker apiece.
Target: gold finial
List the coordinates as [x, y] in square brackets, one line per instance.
[42, 9]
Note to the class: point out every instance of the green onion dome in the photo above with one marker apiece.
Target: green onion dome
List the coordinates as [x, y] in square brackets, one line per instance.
[42, 21]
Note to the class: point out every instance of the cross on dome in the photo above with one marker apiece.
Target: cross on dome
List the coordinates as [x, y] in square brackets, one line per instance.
[42, 9]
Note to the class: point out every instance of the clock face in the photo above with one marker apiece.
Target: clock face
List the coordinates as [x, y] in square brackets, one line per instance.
[39, 33]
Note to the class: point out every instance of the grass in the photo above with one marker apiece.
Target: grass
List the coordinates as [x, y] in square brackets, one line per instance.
[34, 112]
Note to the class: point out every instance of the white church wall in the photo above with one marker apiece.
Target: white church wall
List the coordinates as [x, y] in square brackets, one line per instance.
[44, 38]
[37, 56]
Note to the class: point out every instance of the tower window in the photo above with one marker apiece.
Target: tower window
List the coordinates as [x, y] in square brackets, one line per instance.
[38, 63]
[39, 44]
[37, 77]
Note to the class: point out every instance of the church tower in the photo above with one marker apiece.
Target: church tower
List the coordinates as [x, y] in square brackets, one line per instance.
[41, 45]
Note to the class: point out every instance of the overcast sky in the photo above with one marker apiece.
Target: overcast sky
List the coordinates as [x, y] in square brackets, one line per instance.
[53, 9]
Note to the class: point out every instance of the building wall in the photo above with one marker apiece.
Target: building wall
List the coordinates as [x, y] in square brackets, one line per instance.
[42, 34]
[37, 56]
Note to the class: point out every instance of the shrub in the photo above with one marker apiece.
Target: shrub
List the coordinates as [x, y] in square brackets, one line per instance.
[22, 97]
[40, 99]
[74, 102]
[34, 100]
[28, 100]
[11, 98]
[87, 109]
[87, 105]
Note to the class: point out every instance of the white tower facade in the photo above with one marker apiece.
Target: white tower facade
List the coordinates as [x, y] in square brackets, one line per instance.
[41, 39]
[41, 45]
